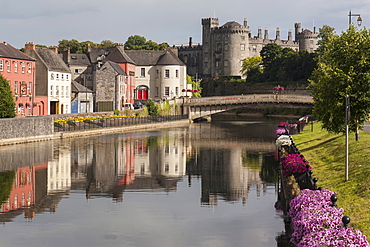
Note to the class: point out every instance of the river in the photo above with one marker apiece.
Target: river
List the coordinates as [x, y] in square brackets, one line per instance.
[207, 184]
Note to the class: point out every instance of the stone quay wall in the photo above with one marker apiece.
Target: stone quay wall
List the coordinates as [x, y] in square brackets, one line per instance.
[16, 130]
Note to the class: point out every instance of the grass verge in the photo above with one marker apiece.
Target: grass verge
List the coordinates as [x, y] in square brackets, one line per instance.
[326, 154]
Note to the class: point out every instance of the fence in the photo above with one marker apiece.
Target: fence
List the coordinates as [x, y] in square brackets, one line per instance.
[113, 122]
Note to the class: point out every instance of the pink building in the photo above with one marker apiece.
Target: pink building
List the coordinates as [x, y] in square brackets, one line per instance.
[19, 69]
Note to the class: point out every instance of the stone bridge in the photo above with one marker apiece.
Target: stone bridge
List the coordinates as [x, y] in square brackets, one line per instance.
[204, 107]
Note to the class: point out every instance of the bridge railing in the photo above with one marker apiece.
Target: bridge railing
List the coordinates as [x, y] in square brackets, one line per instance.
[250, 98]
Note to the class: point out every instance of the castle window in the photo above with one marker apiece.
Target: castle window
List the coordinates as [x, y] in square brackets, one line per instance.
[217, 64]
[243, 38]
[226, 63]
[226, 47]
[311, 41]
[242, 47]
[254, 48]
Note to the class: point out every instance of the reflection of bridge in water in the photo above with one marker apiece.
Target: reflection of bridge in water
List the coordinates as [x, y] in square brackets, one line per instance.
[206, 106]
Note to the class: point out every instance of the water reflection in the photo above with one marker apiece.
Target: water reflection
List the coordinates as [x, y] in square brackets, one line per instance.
[229, 159]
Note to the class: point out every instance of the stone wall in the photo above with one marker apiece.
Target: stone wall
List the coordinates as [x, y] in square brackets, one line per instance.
[26, 127]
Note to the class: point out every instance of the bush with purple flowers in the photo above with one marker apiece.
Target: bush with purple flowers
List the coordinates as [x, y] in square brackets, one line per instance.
[316, 223]
[293, 164]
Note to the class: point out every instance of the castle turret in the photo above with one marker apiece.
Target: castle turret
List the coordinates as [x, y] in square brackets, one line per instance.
[259, 35]
[266, 33]
[307, 39]
[277, 33]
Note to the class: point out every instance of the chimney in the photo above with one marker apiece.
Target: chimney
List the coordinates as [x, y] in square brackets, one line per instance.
[54, 49]
[190, 41]
[259, 35]
[245, 22]
[67, 56]
[30, 46]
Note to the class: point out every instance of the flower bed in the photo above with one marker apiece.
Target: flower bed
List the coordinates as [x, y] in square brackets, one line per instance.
[292, 164]
[317, 223]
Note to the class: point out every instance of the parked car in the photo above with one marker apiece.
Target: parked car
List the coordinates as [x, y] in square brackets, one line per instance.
[138, 105]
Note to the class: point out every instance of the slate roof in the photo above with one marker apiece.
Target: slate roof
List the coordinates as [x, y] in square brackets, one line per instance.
[117, 68]
[118, 55]
[95, 53]
[8, 51]
[77, 87]
[52, 60]
[231, 24]
[78, 59]
[150, 58]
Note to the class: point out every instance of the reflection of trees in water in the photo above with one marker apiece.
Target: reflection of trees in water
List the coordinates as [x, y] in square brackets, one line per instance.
[6, 183]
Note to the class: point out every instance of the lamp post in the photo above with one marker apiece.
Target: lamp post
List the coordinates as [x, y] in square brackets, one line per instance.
[359, 19]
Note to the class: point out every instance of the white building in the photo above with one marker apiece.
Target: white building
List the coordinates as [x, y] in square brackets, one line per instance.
[159, 74]
[53, 78]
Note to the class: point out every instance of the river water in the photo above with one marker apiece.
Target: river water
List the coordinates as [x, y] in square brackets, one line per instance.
[207, 184]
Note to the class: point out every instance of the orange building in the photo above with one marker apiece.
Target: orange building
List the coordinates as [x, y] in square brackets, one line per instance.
[19, 69]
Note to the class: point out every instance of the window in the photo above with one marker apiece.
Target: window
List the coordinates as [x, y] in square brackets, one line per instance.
[243, 38]
[8, 65]
[78, 71]
[29, 65]
[167, 91]
[57, 76]
[16, 88]
[226, 47]
[177, 90]
[217, 64]
[167, 73]
[157, 91]
[15, 66]
[62, 92]
[142, 72]
[67, 92]
[62, 77]
[56, 91]
[1, 65]
[177, 73]
[157, 75]
[242, 47]
[23, 67]
[254, 48]
[66, 77]
[52, 76]
[29, 89]
[311, 41]
[51, 90]
[226, 63]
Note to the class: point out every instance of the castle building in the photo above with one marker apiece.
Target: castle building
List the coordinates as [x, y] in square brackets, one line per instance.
[224, 48]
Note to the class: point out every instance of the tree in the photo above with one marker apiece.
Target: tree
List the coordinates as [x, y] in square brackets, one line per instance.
[343, 69]
[7, 105]
[137, 42]
[251, 64]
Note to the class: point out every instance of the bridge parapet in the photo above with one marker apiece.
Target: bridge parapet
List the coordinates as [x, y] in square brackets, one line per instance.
[250, 98]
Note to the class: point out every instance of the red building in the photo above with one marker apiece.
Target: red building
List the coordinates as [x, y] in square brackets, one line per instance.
[19, 69]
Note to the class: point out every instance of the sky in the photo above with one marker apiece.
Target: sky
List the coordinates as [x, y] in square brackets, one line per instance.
[46, 22]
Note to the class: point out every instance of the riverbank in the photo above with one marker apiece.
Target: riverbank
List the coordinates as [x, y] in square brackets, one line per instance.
[326, 154]
[91, 132]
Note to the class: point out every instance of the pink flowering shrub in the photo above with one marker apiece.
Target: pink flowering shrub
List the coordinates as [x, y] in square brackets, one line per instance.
[293, 164]
[281, 131]
[317, 224]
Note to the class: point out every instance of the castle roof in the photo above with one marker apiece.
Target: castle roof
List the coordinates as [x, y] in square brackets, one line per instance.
[231, 24]
[8, 51]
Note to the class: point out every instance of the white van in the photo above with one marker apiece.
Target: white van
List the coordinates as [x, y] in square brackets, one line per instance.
[128, 106]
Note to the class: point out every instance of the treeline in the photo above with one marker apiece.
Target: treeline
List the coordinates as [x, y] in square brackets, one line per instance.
[134, 42]
[276, 63]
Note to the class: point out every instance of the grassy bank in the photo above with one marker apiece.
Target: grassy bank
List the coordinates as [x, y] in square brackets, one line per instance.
[326, 154]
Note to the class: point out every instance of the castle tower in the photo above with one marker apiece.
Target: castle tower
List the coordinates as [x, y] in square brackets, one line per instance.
[306, 38]
[266, 34]
[208, 25]
[277, 33]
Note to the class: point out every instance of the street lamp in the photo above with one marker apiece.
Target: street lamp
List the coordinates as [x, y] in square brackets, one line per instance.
[359, 19]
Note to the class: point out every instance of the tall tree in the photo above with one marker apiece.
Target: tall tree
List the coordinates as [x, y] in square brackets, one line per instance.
[343, 69]
[251, 64]
[137, 42]
[7, 105]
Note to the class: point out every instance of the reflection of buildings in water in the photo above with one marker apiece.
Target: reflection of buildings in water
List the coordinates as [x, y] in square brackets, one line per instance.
[223, 173]
[59, 170]
[22, 193]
